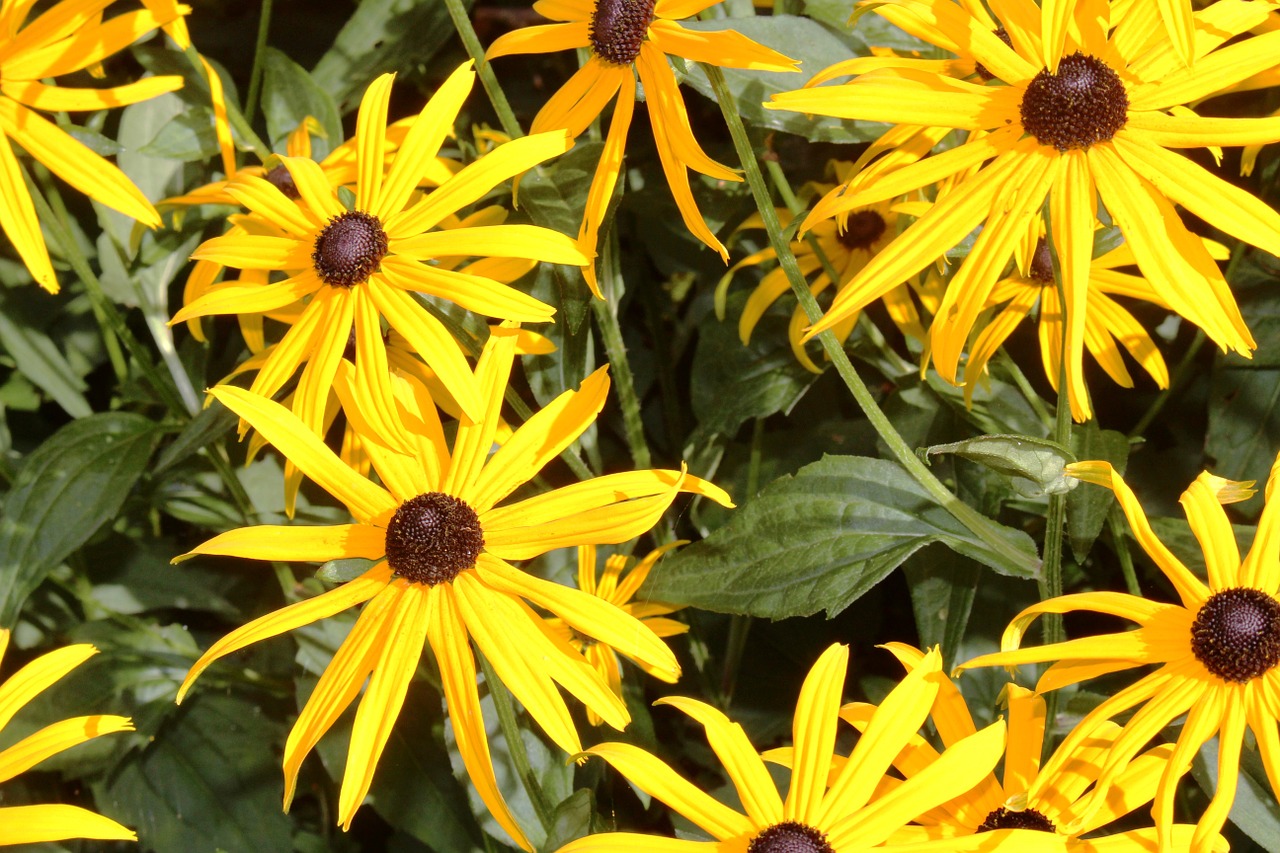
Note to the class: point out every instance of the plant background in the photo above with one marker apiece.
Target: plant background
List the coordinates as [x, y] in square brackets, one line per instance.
[104, 481]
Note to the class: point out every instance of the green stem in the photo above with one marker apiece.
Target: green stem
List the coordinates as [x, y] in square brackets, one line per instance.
[740, 625]
[255, 76]
[61, 232]
[975, 522]
[1121, 546]
[515, 745]
[501, 106]
[615, 348]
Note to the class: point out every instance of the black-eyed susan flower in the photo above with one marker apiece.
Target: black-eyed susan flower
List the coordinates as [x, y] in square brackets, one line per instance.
[1109, 326]
[1045, 797]
[52, 822]
[846, 243]
[630, 39]
[442, 544]
[1078, 112]
[1216, 651]
[618, 585]
[355, 268]
[66, 37]
[826, 810]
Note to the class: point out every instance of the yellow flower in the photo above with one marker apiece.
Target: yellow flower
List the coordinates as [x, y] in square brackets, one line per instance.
[1217, 650]
[1045, 798]
[1088, 114]
[442, 543]
[826, 810]
[66, 37]
[30, 824]
[629, 39]
[357, 267]
[618, 591]
[1108, 324]
[847, 242]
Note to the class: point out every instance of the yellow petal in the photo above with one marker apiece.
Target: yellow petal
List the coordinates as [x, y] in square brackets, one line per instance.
[1213, 531]
[307, 543]
[57, 98]
[75, 163]
[726, 48]
[472, 292]
[403, 641]
[28, 682]
[18, 219]
[422, 142]
[288, 435]
[55, 738]
[31, 824]
[539, 440]
[448, 636]
[544, 38]
[262, 197]
[371, 128]
[295, 615]
[739, 758]
[339, 684]
[655, 778]
[813, 732]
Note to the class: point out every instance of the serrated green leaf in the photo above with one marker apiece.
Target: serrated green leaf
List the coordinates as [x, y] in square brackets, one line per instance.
[382, 35]
[816, 541]
[1087, 508]
[39, 360]
[1034, 465]
[1244, 395]
[206, 780]
[289, 95]
[65, 490]
[789, 35]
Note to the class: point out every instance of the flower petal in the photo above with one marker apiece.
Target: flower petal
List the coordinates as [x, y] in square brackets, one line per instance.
[31, 824]
[307, 543]
[28, 682]
[472, 292]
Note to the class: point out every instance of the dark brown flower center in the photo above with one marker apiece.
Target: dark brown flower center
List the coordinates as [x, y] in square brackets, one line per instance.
[1041, 271]
[861, 230]
[790, 837]
[1236, 634]
[283, 181]
[1003, 818]
[349, 249]
[432, 538]
[982, 70]
[1083, 104]
[618, 29]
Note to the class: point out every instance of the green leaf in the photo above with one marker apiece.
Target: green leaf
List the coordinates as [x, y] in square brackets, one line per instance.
[816, 541]
[943, 586]
[1034, 465]
[211, 424]
[40, 360]
[1087, 508]
[786, 34]
[206, 780]
[289, 95]
[341, 571]
[1244, 395]
[382, 35]
[732, 383]
[1254, 809]
[65, 490]
[188, 136]
[572, 819]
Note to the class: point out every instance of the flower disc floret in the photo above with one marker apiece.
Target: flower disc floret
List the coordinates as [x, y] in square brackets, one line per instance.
[1003, 818]
[281, 179]
[1236, 634]
[618, 28]
[790, 837]
[1083, 104]
[1041, 270]
[349, 249]
[432, 538]
[861, 230]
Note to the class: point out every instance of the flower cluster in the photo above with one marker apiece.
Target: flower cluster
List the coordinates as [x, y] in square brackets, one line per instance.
[399, 296]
